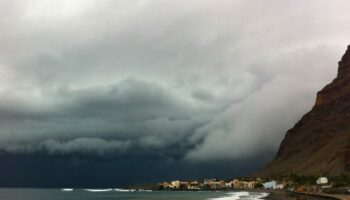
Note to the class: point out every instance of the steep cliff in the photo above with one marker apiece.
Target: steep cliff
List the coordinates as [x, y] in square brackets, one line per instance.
[320, 142]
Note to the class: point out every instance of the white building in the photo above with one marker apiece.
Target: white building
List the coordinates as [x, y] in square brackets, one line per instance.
[228, 185]
[322, 180]
[270, 185]
[175, 184]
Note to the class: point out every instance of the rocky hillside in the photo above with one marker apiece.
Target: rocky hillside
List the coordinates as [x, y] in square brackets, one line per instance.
[320, 142]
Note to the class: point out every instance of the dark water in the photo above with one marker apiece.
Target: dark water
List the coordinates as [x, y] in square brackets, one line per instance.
[81, 194]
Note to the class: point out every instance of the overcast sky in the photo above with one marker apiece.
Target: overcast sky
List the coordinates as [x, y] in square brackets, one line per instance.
[188, 82]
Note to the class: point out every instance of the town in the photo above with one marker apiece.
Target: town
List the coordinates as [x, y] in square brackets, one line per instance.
[214, 184]
[305, 184]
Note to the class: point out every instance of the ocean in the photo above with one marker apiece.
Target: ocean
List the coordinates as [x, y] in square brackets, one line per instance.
[120, 194]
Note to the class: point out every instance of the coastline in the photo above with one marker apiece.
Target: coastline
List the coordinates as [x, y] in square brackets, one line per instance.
[327, 196]
[283, 195]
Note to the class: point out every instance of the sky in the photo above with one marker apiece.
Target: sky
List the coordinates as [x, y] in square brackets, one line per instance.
[102, 92]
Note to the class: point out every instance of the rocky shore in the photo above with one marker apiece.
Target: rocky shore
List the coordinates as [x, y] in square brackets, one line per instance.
[284, 195]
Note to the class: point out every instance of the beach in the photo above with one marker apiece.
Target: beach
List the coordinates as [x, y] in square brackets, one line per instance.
[284, 195]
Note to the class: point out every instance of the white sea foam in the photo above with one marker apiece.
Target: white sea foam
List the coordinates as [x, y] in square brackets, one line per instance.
[260, 195]
[239, 195]
[141, 190]
[67, 189]
[124, 190]
[99, 190]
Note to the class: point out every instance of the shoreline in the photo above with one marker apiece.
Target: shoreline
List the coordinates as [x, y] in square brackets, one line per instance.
[328, 196]
[283, 195]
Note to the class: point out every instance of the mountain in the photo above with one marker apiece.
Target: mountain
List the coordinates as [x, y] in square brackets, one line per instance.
[320, 142]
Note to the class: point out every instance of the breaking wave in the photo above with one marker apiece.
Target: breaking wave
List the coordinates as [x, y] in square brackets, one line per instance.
[67, 189]
[239, 195]
[142, 190]
[124, 190]
[98, 190]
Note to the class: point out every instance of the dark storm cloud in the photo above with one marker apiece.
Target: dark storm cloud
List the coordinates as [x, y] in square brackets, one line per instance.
[130, 115]
[166, 80]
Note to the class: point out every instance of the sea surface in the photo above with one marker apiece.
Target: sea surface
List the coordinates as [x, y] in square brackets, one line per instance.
[120, 194]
